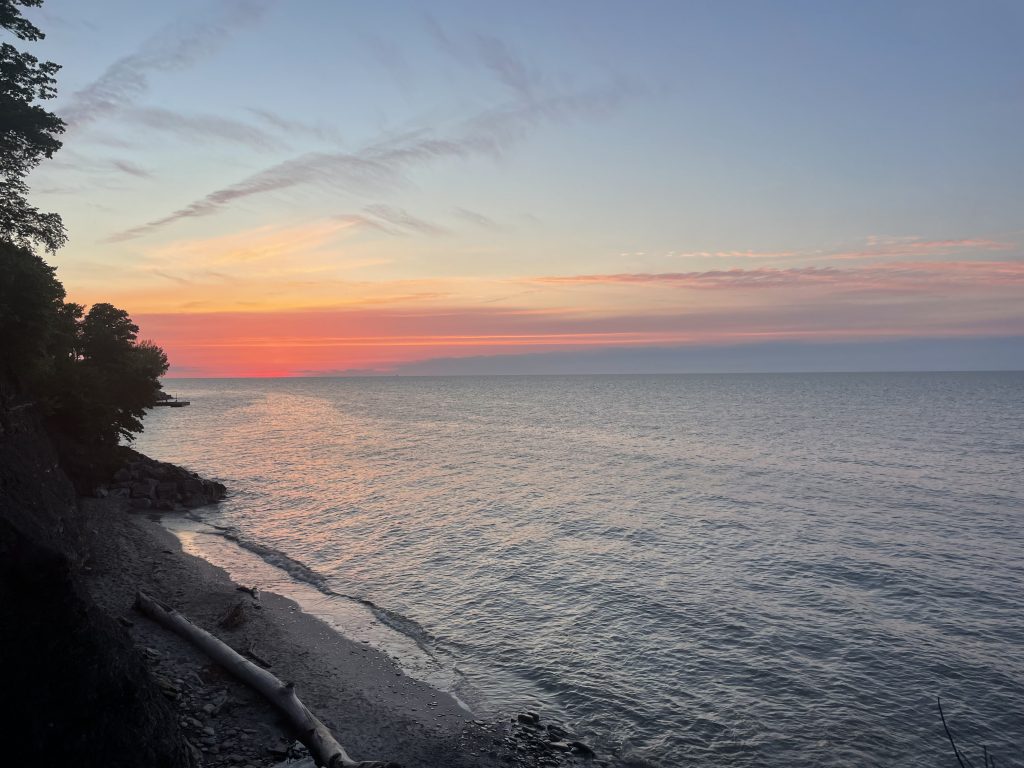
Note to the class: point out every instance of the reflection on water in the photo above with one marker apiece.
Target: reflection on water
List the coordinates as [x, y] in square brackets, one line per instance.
[728, 570]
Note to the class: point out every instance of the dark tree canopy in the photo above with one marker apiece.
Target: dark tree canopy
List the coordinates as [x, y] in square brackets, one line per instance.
[28, 133]
[31, 297]
[106, 333]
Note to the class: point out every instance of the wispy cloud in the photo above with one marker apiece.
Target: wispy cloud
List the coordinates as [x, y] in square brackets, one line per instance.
[508, 67]
[873, 247]
[474, 217]
[262, 244]
[887, 247]
[383, 164]
[202, 127]
[324, 133]
[911, 277]
[401, 218]
[176, 47]
[126, 166]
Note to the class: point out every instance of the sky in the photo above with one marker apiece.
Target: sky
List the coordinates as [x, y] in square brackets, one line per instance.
[319, 187]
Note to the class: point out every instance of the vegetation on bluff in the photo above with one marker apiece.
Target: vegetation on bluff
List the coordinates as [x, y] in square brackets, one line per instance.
[88, 372]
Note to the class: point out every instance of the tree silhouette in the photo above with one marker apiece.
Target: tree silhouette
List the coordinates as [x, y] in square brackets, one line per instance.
[86, 371]
[28, 133]
[31, 297]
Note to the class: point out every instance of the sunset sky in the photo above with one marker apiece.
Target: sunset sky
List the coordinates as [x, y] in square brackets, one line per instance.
[322, 187]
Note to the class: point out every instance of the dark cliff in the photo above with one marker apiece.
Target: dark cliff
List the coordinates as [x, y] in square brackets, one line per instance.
[78, 692]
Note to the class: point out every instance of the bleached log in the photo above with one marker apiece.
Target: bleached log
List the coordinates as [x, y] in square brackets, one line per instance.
[326, 751]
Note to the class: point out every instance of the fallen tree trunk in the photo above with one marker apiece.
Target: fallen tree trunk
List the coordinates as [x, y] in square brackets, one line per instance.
[326, 751]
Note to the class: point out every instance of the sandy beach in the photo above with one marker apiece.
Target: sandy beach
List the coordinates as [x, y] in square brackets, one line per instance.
[374, 710]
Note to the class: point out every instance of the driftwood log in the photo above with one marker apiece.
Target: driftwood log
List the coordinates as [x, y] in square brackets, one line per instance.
[326, 751]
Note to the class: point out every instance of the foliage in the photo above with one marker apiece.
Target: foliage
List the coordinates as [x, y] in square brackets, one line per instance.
[91, 376]
[100, 379]
[28, 133]
[31, 298]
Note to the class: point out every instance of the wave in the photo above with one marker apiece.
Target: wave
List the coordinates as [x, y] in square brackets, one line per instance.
[299, 571]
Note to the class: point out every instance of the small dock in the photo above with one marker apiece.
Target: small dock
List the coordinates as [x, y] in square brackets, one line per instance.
[171, 402]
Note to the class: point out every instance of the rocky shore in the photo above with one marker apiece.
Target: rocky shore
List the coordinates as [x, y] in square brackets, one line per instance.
[151, 484]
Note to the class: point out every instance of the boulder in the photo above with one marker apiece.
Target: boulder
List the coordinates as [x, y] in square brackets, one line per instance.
[144, 489]
[167, 490]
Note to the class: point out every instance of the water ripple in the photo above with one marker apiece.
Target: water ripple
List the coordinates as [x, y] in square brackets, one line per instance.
[691, 570]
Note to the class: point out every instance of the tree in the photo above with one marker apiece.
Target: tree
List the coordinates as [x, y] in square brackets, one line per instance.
[87, 371]
[31, 299]
[100, 380]
[107, 332]
[28, 133]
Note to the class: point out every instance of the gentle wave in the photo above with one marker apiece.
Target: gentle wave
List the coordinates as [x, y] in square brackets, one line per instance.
[302, 572]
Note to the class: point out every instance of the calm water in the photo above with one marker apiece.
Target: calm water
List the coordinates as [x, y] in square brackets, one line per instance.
[708, 570]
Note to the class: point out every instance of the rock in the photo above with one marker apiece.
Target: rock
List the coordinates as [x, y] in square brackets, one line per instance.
[556, 732]
[164, 505]
[219, 701]
[144, 489]
[156, 471]
[209, 731]
[142, 503]
[528, 718]
[166, 685]
[234, 617]
[563, 746]
[581, 749]
[119, 493]
[122, 475]
[166, 490]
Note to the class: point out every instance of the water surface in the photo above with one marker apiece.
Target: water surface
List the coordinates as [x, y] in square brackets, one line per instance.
[736, 570]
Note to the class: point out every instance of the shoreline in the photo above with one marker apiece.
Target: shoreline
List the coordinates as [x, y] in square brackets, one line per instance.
[375, 710]
[361, 621]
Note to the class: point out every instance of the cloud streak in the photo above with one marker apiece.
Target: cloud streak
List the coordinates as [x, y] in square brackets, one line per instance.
[479, 219]
[176, 47]
[402, 219]
[203, 127]
[384, 164]
[909, 277]
[324, 133]
[874, 247]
